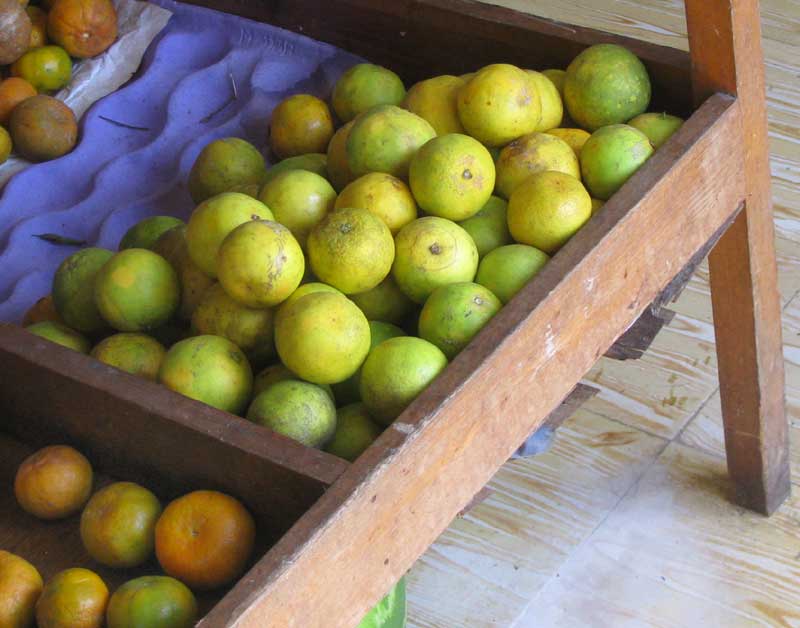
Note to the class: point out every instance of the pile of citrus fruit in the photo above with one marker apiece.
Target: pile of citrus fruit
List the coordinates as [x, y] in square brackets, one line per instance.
[38, 43]
[202, 541]
[319, 297]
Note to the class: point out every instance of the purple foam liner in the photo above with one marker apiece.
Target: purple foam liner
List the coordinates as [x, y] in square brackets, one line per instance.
[117, 175]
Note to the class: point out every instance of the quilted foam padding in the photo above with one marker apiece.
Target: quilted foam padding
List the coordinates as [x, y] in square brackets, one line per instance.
[116, 176]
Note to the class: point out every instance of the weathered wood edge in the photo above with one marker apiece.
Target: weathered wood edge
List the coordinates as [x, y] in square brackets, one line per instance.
[48, 391]
[743, 271]
[392, 503]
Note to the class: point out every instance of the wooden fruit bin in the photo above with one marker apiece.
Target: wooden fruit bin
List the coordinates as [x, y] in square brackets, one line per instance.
[335, 537]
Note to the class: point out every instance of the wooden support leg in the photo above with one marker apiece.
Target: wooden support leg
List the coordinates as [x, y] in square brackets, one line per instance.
[725, 40]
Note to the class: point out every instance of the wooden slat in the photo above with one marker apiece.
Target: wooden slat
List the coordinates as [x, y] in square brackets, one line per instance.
[391, 504]
[422, 38]
[50, 394]
[743, 271]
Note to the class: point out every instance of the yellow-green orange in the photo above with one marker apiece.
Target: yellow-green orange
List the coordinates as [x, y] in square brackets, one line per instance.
[606, 84]
[47, 68]
[137, 290]
[339, 173]
[348, 390]
[74, 598]
[658, 127]
[299, 410]
[61, 334]
[507, 269]
[214, 219]
[432, 252]
[611, 156]
[73, 289]
[385, 302]
[489, 227]
[300, 124]
[298, 199]
[118, 525]
[384, 139]
[248, 328]
[556, 77]
[20, 587]
[576, 138]
[363, 87]
[552, 106]
[152, 602]
[395, 372]
[138, 354]
[382, 194]
[210, 369]
[351, 249]
[5, 145]
[172, 246]
[260, 263]
[223, 164]
[547, 209]
[355, 431]
[499, 104]
[303, 290]
[436, 100]
[452, 176]
[455, 313]
[313, 162]
[537, 152]
[145, 233]
[323, 337]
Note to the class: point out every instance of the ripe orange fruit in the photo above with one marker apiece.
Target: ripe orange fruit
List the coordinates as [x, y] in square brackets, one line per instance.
[54, 482]
[300, 124]
[74, 598]
[118, 525]
[20, 587]
[12, 92]
[204, 539]
[84, 28]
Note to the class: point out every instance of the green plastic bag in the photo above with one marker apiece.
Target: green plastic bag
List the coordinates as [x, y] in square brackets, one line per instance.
[390, 612]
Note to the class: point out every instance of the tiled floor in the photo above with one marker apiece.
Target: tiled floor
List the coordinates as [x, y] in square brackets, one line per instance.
[627, 521]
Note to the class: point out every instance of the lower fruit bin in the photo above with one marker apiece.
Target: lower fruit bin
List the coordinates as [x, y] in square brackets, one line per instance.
[52, 395]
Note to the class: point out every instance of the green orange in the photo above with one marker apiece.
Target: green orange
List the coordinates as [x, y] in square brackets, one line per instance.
[73, 289]
[118, 525]
[145, 233]
[61, 334]
[137, 354]
[223, 164]
[152, 602]
[47, 68]
[395, 372]
[364, 86]
[489, 227]
[506, 269]
[386, 196]
[455, 313]
[385, 302]
[355, 431]
[210, 369]
[137, 290]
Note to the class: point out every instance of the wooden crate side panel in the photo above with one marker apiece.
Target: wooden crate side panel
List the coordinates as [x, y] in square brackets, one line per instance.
[49, 393]
[392, 503]
[423, 38]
